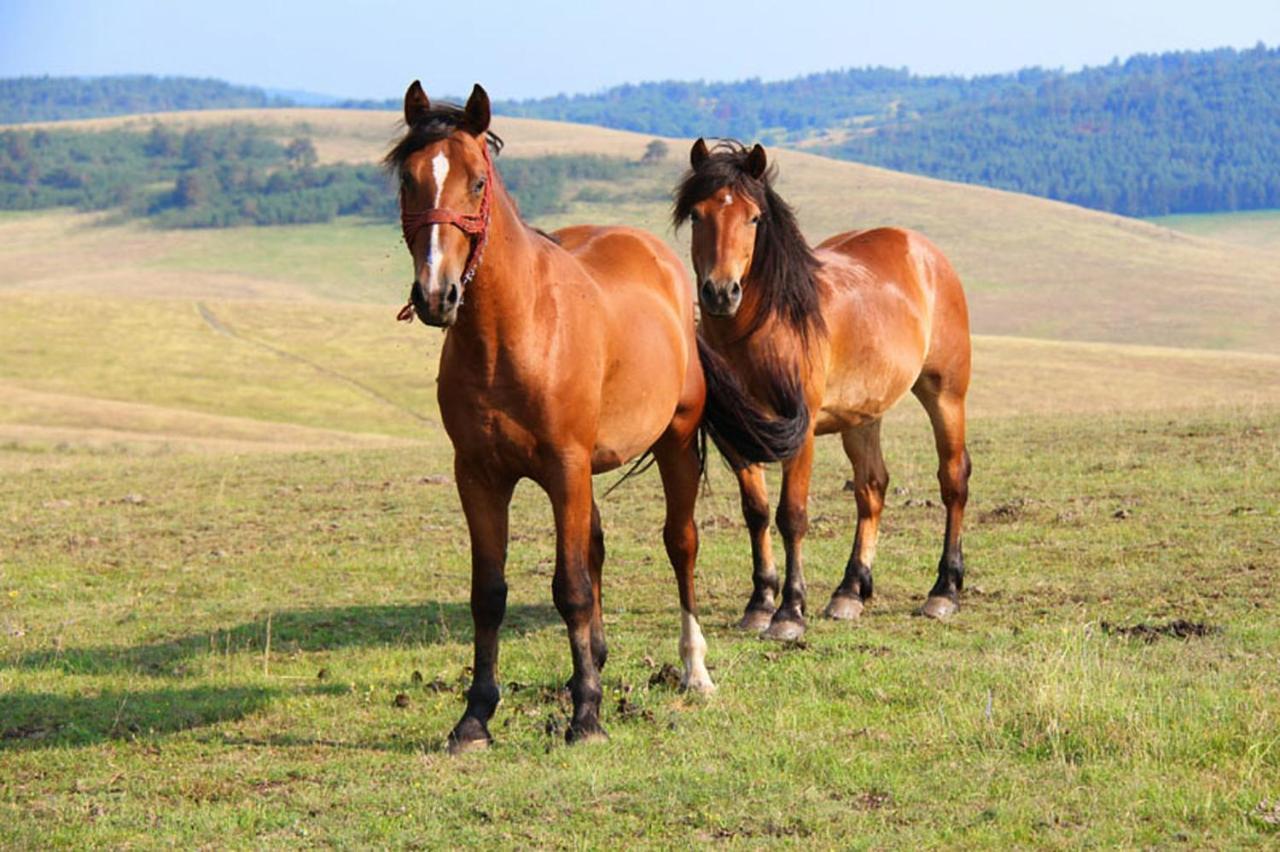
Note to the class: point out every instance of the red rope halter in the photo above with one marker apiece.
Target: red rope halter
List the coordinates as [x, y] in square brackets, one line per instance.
[474, 225]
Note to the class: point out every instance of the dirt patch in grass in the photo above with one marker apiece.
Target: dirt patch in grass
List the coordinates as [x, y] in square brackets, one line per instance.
[1179, 628]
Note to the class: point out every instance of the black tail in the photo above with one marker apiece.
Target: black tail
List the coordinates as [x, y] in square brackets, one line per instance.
[743, 431]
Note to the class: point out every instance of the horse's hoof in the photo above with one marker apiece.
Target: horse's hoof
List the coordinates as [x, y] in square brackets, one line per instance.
[939, 607]
[469, 735]
[588, 733]
[844, 608]
[756, 620]
[457, 747]
[785, 631]
[700, 685]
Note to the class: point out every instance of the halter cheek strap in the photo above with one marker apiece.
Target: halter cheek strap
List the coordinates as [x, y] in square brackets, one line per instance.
[474, 225]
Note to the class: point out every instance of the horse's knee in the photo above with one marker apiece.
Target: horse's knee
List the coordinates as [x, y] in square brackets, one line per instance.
[793, 519]
[489, 601]
[755, 511]
[571, 591]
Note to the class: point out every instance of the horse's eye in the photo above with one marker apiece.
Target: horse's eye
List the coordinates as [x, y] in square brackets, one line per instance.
[478, 187]
[755, 220]
[695, 216]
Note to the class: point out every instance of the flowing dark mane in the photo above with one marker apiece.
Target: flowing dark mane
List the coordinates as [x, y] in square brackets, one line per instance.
[783, 265]
[439, 122]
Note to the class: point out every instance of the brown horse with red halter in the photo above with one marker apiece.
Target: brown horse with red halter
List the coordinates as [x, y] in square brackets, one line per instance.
[829, 339]
[565, 356]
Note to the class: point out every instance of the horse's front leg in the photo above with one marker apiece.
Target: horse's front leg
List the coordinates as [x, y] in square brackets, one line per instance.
[793, 523]
[569, 487]
[486, 498]
[764, 576]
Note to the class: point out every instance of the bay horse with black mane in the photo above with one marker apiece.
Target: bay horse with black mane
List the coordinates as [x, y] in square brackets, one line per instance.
[826, 339]
[565, 356]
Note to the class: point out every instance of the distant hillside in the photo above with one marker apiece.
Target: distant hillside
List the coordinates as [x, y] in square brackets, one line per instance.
[1031, 267]
[1177, 132]
[24, 99]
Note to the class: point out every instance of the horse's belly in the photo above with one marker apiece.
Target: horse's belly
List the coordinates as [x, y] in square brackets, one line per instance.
[630, 426]
[855, 397]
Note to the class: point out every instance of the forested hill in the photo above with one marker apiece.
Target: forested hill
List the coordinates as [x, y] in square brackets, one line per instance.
[55, 98]
[1156, 134]
[1175, 132]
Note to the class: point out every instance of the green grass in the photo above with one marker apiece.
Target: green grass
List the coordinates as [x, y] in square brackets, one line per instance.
[148, 550]
[1253, 228]
[138, 700]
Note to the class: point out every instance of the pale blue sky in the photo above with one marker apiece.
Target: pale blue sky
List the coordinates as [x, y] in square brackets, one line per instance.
[525, 49]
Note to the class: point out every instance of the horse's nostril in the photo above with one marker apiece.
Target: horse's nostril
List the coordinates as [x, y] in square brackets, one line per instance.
[736, 290]
[451, 297]
[708, 290]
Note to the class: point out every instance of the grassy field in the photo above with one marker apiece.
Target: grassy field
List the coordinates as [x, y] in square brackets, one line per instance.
[140, 701]
[234, 573]
[1253, 228]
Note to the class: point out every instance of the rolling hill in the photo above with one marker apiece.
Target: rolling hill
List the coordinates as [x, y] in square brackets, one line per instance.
[1032, 267]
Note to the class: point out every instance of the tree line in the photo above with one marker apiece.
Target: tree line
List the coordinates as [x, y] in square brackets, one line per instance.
[236, 174]
[26, 99]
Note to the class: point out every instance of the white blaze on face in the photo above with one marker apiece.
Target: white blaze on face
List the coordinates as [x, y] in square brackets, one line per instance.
[439, 171]
[693, 652]
[728, 199]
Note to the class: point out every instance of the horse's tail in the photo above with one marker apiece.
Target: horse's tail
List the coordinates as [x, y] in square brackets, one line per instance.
[740, 428]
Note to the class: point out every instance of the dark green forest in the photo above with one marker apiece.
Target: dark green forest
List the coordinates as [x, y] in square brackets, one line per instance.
[235, 175]
[24, 99]
[1156, 134]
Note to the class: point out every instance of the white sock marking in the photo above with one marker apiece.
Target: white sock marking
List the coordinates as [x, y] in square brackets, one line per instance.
[693, 652]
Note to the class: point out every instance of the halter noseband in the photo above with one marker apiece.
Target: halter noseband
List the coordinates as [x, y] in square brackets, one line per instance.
[474, 225]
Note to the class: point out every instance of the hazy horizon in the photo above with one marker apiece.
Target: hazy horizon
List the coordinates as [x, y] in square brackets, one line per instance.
[521, 50]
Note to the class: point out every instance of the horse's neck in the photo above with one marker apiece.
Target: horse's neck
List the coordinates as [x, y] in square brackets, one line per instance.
[497, 308]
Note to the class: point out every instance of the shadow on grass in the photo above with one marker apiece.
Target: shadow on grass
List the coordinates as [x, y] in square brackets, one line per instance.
[35, 720]
[291, 631]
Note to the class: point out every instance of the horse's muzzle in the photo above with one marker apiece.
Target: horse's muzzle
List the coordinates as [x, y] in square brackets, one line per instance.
[720, 300]
[440, 311]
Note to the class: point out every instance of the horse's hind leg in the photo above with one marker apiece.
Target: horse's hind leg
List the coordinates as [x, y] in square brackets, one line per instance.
[485, 501]
[764, 574]
[599, 651]
[946, 411]
[870, 479]
[678, 463]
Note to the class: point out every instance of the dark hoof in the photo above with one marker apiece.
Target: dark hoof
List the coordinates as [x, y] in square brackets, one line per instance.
[756, 620]
[785, 631]
[939, 607]
[585, 733]
[470, 735]
[844, 608]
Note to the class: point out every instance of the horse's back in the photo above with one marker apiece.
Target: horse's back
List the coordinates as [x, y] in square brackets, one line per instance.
[908, 262]
[619, 257]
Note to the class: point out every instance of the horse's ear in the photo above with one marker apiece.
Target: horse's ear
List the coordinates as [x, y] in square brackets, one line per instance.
[478, 111]
[699, 153]
[415, 103]
[757, 162]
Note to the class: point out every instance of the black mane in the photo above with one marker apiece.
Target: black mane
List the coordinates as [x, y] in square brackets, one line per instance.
[437, 123]
[783, 265]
